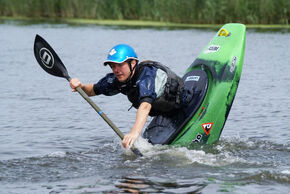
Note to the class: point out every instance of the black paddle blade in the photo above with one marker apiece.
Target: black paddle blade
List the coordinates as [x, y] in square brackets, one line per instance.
[48, 59]
[137, 152]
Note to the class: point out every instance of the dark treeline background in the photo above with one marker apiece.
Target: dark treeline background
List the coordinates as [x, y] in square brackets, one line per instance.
[176, 11]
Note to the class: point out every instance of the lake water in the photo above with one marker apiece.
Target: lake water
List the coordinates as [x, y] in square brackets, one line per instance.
[52, 141]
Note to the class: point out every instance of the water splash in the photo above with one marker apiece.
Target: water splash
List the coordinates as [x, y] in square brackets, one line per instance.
[57, 154]
[185, 155]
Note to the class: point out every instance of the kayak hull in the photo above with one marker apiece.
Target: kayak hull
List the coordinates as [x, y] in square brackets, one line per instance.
[221, 62]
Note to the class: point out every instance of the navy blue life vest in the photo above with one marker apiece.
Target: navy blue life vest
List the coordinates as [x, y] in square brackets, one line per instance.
[168, 101]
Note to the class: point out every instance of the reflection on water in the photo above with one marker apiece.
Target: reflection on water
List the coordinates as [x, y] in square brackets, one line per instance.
[134, 185]
[153, 185]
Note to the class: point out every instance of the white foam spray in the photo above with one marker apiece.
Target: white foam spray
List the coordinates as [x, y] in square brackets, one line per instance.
[185, 156]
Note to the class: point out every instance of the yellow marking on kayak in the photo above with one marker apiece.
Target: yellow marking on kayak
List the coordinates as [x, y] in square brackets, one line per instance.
[223, 32]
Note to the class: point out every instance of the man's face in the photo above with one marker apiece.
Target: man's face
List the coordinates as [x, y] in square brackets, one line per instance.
[122, 70]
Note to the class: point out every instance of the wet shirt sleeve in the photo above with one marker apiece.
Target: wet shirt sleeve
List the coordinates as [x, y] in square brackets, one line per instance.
[107, 86]
[146, 84]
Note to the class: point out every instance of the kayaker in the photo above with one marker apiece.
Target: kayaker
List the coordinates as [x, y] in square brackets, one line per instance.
[152, 88]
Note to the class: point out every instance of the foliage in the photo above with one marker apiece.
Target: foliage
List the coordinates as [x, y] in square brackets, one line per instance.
[177, 11]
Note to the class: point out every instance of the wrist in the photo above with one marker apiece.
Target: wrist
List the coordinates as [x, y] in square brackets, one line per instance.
[135, 132]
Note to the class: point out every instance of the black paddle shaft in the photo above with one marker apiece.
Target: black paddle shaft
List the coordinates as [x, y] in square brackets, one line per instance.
[51, 63]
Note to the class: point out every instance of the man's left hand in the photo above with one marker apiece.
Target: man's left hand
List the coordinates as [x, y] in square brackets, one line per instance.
[129, 139]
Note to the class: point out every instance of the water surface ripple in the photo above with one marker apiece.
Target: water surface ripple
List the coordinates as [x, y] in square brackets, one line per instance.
[51, 141]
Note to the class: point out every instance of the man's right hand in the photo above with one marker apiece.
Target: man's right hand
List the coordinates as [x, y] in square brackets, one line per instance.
[88, 88]
[74, 83]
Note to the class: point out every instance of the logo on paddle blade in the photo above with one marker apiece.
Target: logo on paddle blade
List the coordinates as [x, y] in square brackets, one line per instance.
[46, 58]
[207, 127]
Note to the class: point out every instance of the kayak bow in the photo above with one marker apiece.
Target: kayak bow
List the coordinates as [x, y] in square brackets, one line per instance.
[213, 77]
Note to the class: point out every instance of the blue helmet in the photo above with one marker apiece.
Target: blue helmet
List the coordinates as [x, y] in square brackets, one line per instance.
[120, 53]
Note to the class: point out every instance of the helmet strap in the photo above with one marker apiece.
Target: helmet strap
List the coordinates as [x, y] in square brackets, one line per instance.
[131, 70]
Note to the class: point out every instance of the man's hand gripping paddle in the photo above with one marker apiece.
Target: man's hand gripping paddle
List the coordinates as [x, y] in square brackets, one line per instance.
[51, 63]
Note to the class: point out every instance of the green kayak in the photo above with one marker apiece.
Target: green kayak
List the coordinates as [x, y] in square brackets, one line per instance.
[213, 78]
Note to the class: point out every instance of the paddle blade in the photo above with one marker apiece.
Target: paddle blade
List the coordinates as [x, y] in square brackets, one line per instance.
[48, 59]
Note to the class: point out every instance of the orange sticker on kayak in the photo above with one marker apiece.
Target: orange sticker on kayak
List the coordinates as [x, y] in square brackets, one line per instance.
[207, 127]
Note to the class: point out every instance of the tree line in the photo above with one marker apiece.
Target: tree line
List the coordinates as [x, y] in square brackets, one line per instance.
[175, 11]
